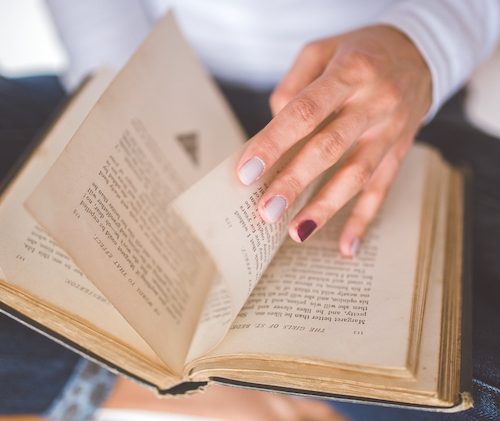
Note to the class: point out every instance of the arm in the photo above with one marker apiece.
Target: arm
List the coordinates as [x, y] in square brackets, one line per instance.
[454, 37]
[362, 96]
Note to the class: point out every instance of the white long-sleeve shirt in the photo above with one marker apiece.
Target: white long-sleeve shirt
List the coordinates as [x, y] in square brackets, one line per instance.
[254, 42]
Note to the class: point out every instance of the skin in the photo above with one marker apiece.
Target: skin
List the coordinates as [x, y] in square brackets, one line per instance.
[360, 96]
[223, 403]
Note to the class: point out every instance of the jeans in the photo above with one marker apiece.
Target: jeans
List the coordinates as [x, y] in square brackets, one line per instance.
[36, 373]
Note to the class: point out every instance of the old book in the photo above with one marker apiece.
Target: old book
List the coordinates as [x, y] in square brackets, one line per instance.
[126, 236]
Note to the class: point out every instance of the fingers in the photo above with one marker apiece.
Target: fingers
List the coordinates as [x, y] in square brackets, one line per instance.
[369, 202]
[346, 182]
[308, 65]
[298, 119]
[321, 152]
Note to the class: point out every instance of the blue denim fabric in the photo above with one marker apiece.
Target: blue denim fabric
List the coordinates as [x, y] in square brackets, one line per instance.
[83, 393]
[25, 106]
[33, 369]
[38, 376]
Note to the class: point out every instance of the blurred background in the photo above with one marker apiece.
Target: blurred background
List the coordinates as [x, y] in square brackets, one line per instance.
[29, 45]
[28, 42]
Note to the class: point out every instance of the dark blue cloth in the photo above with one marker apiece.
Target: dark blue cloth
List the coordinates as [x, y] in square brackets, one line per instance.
[33, 369]
[25, 106]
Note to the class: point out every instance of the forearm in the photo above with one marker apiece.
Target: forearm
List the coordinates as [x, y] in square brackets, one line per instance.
[453, 36]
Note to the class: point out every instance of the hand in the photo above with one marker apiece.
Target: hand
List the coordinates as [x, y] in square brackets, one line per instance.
[359, 96]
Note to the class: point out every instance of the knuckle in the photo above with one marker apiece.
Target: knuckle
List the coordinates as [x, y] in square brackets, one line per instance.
[361, 173]
[362, 65]
[331, 146]
[278, 99]
[292, 183]
[374, 198]
[312, 49]
[326, 206]
[270, 148]
[305, 109]
[359, 218]
[393, 95]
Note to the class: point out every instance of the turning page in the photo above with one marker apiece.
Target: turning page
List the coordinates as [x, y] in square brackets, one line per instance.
[223, 215]
[158, 128]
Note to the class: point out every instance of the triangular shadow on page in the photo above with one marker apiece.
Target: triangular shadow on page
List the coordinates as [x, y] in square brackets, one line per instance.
[190, 143]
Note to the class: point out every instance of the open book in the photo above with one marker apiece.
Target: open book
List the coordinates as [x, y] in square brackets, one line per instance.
[127, 236]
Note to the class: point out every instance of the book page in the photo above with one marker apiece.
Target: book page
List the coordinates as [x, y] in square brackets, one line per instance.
[216, 318]
[32, 260]
[158, 128]
[425, 388]
[313, 303]
[223, 214]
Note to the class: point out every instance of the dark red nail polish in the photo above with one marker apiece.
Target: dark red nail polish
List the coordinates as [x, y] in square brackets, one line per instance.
[305, 229]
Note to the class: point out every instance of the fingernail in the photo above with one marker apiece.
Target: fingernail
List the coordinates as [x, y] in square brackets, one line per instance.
[274, 208]
[354, 247]
[305, 229]
[251, 170]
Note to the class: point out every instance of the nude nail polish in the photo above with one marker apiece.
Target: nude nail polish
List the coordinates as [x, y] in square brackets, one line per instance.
[355, 247]
[251, 170]
[305, 229]
[274, 208]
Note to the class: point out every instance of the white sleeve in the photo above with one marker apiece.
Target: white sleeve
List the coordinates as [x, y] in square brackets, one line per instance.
[98, 33]
[453, 36]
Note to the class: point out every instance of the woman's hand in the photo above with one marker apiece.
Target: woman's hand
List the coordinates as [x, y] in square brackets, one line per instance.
[363, 95]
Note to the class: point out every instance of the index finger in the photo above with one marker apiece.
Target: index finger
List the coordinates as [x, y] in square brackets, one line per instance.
[295, 121]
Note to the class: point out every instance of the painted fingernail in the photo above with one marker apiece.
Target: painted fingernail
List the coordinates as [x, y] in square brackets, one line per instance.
[354, 247]
[305, 229]
[274, 208]
[251, 170]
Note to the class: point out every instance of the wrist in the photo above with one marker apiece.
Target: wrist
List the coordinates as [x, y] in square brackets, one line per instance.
[408, 52]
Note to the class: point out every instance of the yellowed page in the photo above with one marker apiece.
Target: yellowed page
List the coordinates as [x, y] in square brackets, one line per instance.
[293, 372]
[428, 368]
[223, 214]
[31, 259]
[105, 200]
[313, 303]
[218, 313]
